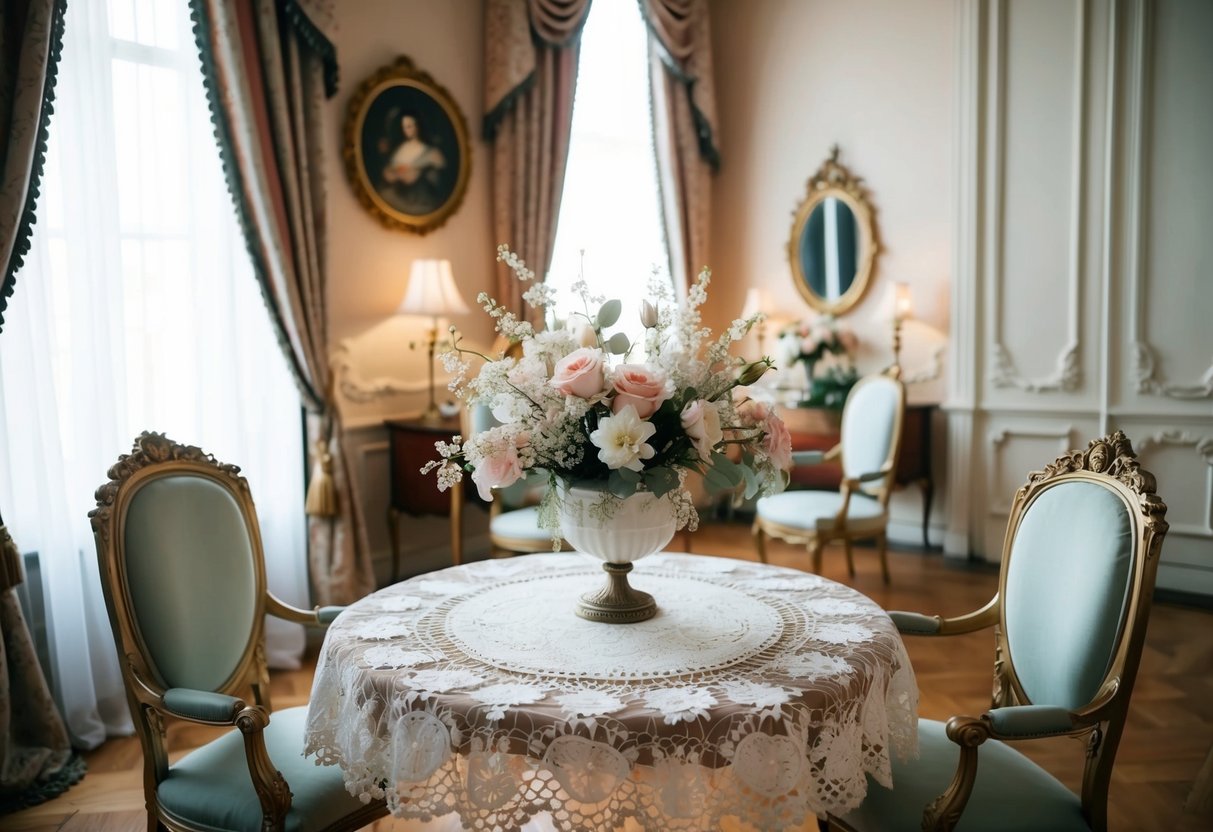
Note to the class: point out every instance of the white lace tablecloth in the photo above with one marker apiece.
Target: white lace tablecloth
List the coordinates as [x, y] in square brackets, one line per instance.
[757, 691]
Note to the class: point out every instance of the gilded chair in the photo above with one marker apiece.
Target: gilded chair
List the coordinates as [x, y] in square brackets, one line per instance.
[514, 512]
[183, 574]
[1078, 567]
[859, 510]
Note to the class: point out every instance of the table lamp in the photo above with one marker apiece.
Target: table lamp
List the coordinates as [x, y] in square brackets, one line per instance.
[757, 300]
[432, 292]
[903, 309]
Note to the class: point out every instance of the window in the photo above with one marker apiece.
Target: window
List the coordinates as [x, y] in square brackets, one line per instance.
[610, 206]
[136, 309]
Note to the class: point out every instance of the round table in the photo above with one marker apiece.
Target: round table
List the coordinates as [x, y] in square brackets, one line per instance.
[757, 691]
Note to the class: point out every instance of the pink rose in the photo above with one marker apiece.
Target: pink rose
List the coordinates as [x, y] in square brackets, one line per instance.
[579, 373]
[701, 421]
[641, 386]
[777, 442]
[497, 471]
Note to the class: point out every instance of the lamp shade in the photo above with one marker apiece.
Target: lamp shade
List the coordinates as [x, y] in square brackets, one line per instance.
[756, 300]
[432, 291]
[903, 304]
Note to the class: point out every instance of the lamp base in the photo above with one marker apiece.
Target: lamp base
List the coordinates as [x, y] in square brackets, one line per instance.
[431, 415]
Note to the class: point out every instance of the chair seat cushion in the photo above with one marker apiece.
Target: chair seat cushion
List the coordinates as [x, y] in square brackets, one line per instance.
[520, 524]
[816, 510]
[211, 787]
[1011, 793]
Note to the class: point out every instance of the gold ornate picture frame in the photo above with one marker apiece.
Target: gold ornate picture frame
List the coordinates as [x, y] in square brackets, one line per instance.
[406, 148]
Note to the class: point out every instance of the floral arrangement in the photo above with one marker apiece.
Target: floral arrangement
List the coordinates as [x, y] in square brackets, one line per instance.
[573, 404]
[824, 347]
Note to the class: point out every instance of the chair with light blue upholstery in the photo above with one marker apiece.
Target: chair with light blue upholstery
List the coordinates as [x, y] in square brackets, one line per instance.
[514, 512]
[183, 573]
[1078, 568]
[859, 510]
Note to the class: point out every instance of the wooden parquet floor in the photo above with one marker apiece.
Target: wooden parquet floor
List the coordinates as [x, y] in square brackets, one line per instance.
[1168, 737]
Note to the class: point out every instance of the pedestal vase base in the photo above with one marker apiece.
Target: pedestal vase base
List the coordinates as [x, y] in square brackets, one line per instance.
[617, 602]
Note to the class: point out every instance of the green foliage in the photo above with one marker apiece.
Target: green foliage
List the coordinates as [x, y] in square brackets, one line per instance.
[609, 313]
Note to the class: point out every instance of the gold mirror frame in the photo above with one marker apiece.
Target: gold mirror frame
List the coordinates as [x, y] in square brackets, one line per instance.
[833, 179]
[411, 87]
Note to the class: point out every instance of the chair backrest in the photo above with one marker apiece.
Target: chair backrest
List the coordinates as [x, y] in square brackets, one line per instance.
[871, 430]
[183, 574]
[1078, 569]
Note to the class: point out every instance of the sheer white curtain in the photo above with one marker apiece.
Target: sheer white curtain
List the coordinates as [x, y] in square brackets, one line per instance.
[136, 310]
[610, 206]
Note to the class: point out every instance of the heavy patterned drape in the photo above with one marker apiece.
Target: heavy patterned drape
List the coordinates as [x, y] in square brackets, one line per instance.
[31, 38]
[36, 760]
[531, 49]
[684, 127]
[269, 66]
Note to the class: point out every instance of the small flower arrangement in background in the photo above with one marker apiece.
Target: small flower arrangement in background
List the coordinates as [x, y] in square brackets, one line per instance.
[824, 347]
[576, 406]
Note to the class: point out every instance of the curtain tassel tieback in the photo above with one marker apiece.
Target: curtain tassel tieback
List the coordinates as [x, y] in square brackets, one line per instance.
[322, 491]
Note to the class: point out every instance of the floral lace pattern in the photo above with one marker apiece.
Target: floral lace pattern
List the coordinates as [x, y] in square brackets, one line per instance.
[478, 692]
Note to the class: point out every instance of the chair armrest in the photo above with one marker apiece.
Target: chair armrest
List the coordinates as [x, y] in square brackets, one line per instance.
[917, 624]
[317, 615]
[202, 705]
[1021, 722]
[815, 457]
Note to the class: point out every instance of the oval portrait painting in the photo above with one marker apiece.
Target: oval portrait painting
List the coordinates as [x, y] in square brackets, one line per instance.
[406, 148]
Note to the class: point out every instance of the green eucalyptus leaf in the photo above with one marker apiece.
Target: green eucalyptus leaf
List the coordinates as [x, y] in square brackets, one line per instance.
[618, 344]
[661, 481]
[628, 475]
[726, 466]
[751, 482]
[717, 482]
[619, 485]
[609, 313]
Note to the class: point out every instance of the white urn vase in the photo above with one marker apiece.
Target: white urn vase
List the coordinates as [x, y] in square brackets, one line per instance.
[616, 531]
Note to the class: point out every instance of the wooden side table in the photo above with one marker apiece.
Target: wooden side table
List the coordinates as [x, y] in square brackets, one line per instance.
[413, 493]
[819, 429]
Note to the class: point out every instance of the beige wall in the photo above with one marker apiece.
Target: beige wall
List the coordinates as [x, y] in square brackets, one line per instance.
[794, 77]
[369, 263]
[874, 77]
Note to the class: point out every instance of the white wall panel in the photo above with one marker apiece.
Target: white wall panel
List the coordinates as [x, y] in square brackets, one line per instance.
[1036, 83]
[1100, 110]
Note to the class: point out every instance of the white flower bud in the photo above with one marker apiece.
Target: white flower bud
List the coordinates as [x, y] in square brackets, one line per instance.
[586, 336]
[648, 314]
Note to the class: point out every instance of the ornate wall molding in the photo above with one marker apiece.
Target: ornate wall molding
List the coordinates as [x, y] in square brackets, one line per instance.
[1067, 375]
[357, 389]
[1203, 445]
[1148, 378]
[996, 439]
[932, 372]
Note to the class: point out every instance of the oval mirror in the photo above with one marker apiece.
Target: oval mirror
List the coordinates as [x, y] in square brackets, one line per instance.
[833, 244]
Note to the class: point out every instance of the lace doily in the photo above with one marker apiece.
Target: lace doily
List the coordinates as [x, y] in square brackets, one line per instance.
[757, 691]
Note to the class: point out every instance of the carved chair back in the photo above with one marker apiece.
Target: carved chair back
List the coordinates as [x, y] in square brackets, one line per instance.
[871, 432]
[183, 574]
[1078, 569]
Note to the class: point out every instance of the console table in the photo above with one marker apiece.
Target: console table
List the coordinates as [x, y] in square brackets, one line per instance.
[411, 446]
[818, 429]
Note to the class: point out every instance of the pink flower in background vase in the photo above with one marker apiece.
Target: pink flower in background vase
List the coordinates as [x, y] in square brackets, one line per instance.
[580, 373]
[776, 440]
[642, 386]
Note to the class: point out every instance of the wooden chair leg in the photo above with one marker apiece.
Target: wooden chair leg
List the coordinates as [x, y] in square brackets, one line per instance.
[882, 546]
[846, 545]
[760, 541]
[815, 549]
